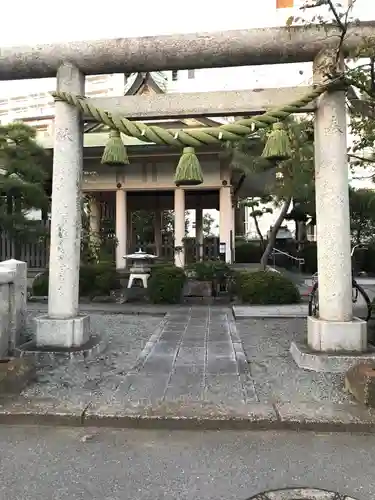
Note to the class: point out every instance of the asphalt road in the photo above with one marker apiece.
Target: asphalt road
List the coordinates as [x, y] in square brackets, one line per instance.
[76, 463]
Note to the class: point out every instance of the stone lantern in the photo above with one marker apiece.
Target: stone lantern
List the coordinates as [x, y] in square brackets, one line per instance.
[140, 267]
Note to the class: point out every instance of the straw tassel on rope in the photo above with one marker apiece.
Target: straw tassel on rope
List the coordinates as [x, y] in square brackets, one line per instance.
[188, 171]
[277, 147]
[115, 152]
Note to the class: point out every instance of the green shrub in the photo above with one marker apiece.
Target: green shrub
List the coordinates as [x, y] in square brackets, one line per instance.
[365, 259]
[266, 287]
[94, 280]
[248, 252]
[309, 253]
[98, 279]
[166, 284]
[40, 284]
[210, 270]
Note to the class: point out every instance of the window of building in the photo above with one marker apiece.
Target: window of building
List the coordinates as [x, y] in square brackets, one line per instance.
[174, 75]
[191, 74]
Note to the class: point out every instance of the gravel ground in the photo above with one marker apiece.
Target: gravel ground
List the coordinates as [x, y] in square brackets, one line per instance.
[276, 376]
[81, 381]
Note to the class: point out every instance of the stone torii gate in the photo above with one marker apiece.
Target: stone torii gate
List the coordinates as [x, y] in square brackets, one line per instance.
[64, 326]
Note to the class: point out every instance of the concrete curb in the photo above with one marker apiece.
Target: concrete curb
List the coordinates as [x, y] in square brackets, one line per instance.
[108, 308]
[193, 416]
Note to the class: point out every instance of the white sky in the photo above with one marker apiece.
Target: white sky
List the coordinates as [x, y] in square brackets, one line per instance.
[26, 22]
[42, 21]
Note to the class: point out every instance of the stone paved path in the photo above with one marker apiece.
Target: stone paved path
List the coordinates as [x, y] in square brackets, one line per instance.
[196, 355]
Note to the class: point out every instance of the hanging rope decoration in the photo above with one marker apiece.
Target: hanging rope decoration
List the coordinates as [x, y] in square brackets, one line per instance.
[115, 152]
[278, 146]
[188, 171]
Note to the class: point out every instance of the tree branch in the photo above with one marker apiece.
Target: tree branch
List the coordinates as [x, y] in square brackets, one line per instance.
[273, 233]
[369, 160]
[257, 226]
[336, 16]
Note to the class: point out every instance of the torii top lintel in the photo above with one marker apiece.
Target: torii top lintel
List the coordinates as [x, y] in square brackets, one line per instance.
[180, 51]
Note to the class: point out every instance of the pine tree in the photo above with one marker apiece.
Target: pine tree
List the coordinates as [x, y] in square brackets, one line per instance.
[24, 175]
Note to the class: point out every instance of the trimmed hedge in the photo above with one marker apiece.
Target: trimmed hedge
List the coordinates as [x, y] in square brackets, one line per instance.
[210, 270]
[40, 285]
[265, 288]
[248, 252]
[94, 280]
[309, 253]
[166, 284]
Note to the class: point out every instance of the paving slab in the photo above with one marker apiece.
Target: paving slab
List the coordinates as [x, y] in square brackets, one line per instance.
[282, 311]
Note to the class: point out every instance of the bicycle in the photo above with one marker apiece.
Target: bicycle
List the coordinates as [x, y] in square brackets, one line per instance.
[357, 291]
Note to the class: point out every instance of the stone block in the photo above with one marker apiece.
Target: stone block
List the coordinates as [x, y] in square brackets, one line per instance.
[336, 336]
[328, 362]
[6, 327]
[360, 382]
[18, 299]
[194, 288]
[63, 333]
[15, 374]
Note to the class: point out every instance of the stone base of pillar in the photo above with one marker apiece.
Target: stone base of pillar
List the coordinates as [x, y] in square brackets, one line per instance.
[336, 336]
[328, 362]
[62, 333]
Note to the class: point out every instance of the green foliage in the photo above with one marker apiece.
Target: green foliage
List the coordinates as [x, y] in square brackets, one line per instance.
[258, 206]
[294, 177]
[23, 175]
[210, 270]
[248, 252]
[166, 283]
[266, 287]
[362, 114]
[359, 72]
[208, 223]
[40, 285]
[365, 260]
[143, 224]
[362, 215]
[97, 248]
[98, 279]
[94, 280]
[309, 254]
